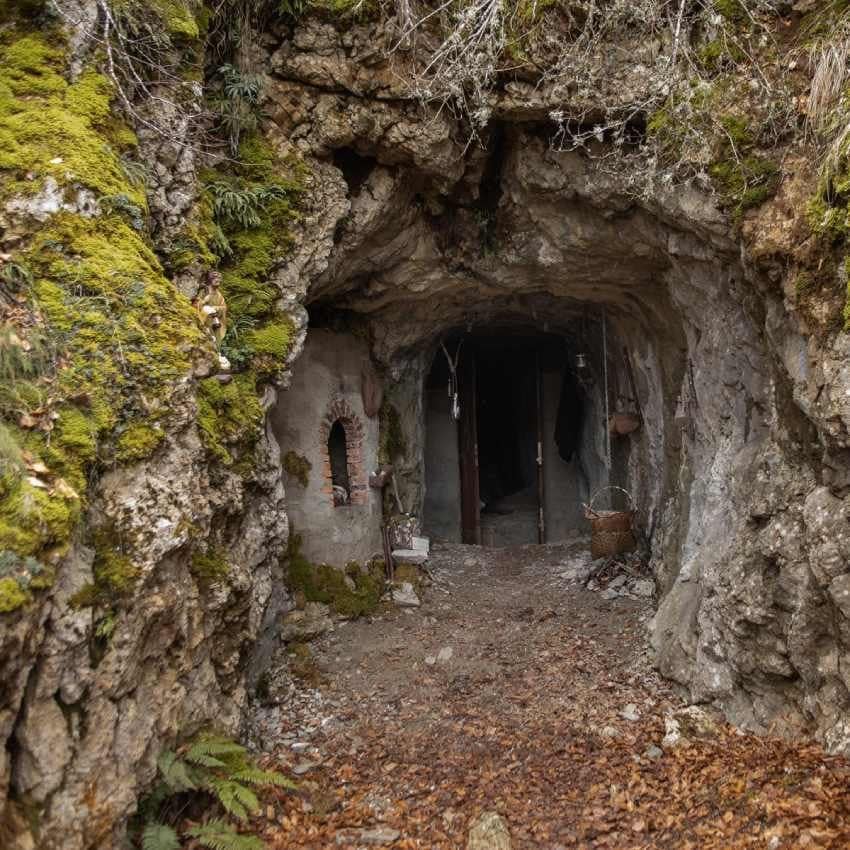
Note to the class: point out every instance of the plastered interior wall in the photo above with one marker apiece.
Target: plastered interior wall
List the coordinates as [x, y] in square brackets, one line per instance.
[564, 482]
[441, 518]
[327, 377]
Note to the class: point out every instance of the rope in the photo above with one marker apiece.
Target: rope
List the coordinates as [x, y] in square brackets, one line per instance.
[605, 379]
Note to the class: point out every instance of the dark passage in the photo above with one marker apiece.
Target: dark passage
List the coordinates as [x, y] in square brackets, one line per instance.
[497, 502]
[339, 464]
[507, 421]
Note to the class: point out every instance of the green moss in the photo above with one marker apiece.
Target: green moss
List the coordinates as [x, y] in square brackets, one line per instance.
[211, 566]
[50, 128]
[12, 595]
[137, 442]
[125, 334]
[718, 54]
[201, 240]
[359, 9]
[298, 467]
[847, 297]
[115, 573]
[34, 518]
[746, 182]
[229, 416]
[732, 11]
[325, 583]
[261, 336]
[177, 18]
[270, 344]
[666, 131]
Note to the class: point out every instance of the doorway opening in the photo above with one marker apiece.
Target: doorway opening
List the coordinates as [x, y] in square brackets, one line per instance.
[506, 419]
[338, 454]
[525, 451]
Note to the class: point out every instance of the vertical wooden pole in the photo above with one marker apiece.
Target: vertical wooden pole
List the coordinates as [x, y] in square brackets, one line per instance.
[541, 500]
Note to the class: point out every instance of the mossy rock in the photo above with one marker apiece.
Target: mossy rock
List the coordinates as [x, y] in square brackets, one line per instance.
[115, 573]
[137, 442]
[230, 417]
[96, 289]
[211, 566]
[350, 592]
[298, 467]
[12, 595]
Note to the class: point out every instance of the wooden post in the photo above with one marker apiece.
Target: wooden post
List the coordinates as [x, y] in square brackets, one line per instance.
[541, 501]
[470, 501]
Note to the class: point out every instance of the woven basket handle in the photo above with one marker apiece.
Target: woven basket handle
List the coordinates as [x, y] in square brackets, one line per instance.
[601, 490]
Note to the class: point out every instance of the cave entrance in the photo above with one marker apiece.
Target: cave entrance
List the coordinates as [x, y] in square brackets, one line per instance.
[516, 465]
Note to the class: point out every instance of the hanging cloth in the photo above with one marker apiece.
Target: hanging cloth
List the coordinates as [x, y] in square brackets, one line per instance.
[453, 393]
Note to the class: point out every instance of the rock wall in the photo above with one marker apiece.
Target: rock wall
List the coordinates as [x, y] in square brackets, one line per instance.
[737, 472]
[163, 551]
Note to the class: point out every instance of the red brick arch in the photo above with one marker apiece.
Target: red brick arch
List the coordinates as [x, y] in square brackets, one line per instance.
[340, 410]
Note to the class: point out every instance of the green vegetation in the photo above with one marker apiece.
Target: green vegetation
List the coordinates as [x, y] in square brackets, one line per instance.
[137, 442]
[209, 767]
[52, 129]
[298, 467]
[177, 18]
[115, 574]
[352, 592]
[733, 11]
[12, 595]
[230, 417]
[248, 207]
[211, 566]
[120, 333]
[709, 115]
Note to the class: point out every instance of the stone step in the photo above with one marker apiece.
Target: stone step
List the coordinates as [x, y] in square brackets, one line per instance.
[415, 557]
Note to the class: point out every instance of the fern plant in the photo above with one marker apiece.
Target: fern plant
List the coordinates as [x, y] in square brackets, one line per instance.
[242, 206]
[238, 106]
[221, 768]
[220, 835]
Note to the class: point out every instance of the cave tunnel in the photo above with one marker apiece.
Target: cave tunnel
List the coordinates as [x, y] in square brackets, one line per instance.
[525, 447]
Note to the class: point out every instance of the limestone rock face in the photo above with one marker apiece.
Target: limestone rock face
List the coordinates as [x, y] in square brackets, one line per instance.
[307, 623]
[96, 712]
[489, 832]
[740, 470]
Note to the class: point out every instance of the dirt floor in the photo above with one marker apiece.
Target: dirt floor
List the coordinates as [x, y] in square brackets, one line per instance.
[513, 689]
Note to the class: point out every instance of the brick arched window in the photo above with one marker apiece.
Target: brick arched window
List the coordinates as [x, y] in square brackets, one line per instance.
[341, 435]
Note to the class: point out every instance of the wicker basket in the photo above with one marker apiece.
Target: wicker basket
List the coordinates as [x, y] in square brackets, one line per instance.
[611, 532]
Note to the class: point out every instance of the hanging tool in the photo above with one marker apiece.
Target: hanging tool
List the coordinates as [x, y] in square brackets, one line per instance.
[453, 393]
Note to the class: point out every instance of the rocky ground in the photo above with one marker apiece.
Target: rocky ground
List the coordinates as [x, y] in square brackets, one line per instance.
[517, 708]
